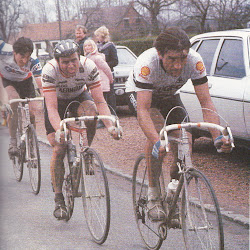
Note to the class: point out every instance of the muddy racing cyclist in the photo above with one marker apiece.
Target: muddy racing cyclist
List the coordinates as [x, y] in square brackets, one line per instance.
[158, 73]
[65, 78]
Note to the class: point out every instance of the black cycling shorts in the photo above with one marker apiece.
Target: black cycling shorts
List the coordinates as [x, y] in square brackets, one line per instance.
[62, 106]
[24, 88]
[164, 105]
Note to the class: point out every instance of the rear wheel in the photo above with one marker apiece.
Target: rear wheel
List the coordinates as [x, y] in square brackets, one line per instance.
[95, 195]
[33, 160]
[18, 160]
[200, 214]
[150, 231]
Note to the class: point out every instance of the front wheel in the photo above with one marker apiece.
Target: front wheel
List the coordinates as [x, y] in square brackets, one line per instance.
[18, 160]
[150, 231]
[33, 160]
[95, 195]
[200, 214]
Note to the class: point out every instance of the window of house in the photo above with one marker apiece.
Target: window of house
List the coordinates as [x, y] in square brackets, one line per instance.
[126, 22]
[230, 62]
[38, 45]
[207, 50]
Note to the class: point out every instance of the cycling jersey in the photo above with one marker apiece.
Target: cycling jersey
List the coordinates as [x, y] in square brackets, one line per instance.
[11, 71]
[70, 87]
[149, 74]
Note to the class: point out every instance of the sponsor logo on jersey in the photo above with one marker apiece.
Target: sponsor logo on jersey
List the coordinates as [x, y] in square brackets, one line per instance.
[14, 71]
[145, 71]
[47, 78]
[70, 90]
[200, 66]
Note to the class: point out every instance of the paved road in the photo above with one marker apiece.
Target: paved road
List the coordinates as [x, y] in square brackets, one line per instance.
[27, 221]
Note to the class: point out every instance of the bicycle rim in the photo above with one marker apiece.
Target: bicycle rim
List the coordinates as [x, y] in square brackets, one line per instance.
[201, 218]
[95, 195]
[33, 160]
[18, 161]
[149, 230]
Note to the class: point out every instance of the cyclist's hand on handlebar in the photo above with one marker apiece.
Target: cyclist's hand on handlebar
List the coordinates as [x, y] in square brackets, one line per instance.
[158, 151]
[60, 136]
[7, 108]
[115, 132]
[222, 144]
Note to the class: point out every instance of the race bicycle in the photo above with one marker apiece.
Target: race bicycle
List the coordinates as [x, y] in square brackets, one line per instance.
[85, 176]
[200, 215]
[27, 145]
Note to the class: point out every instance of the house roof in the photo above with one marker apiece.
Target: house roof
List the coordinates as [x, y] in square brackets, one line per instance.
[111, 17]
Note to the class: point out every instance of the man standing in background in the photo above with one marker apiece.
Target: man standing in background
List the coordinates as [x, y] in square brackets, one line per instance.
[80, 34]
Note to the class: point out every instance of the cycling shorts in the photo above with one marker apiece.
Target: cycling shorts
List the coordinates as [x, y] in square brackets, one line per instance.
[62, 106]
[164, 106]
[24, 88]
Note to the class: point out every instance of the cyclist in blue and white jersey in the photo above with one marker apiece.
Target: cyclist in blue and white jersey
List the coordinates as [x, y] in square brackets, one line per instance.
[17, 69]
[157, 75]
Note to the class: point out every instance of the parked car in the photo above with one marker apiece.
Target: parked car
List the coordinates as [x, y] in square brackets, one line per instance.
[226, 55]
[126, 61]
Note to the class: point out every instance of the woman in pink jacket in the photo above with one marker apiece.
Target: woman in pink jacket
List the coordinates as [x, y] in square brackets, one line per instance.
[91, 51]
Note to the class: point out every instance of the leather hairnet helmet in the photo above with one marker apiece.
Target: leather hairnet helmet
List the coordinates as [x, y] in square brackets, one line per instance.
[65, 48]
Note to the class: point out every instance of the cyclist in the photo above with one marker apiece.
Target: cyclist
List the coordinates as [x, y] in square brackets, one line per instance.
[67, 78]
[158, 73]
[17, 69]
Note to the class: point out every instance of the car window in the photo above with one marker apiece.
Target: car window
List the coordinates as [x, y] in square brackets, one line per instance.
[125, 57]
[194, 45]
[230, 61]
[207, 50]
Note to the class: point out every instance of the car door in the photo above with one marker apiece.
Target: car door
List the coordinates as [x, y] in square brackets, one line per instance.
[247, 90]
[228, 83]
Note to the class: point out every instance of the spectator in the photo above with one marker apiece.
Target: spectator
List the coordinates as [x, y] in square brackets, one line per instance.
[80, 34]
[108, 48]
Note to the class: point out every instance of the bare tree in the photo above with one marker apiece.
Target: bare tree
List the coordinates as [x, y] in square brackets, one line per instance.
[155, 7]
[10, 12]
[198, 11]
[231, 14]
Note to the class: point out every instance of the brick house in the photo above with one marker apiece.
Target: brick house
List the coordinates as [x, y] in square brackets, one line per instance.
[123, 22]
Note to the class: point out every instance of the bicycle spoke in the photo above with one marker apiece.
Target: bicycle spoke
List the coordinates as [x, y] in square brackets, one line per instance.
[201, 218]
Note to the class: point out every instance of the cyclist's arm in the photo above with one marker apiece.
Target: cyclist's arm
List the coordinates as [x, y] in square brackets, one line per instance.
[101, 104]
[144, 99]
[52, 107]
[38, 80]
[202, 92]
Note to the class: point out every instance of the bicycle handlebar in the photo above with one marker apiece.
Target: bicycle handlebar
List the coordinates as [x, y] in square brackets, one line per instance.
[226, 131]
[112, 118]
[26, 100]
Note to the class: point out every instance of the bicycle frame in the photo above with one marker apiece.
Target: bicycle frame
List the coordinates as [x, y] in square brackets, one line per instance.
[23, 106]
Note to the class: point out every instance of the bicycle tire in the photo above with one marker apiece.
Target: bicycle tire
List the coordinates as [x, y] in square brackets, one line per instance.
[200, 213]
[67, 188]
[95, 195]
[149, 230]
[33, 161]
[18, 161]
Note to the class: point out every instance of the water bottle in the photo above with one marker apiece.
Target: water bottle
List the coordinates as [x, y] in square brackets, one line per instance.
[171, 189]
[71, 151]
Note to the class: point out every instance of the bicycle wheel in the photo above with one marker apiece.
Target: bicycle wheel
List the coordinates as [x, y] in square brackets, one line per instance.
[33, 161]
[67, 188]
[200, 214]
[18, 160]
[95, 195]
[149, 230]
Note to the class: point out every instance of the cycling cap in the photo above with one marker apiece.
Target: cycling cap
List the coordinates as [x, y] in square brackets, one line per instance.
[65, 48]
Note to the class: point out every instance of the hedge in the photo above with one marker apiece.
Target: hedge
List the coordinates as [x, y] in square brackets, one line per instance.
[138, 45]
